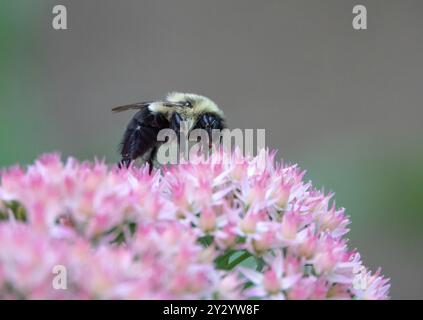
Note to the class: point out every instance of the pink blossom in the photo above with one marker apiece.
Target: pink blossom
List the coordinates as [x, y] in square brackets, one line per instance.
[273, 281]
[182, 232]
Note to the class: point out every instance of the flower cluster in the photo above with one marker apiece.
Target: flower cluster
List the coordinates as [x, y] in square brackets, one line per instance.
[225, 227]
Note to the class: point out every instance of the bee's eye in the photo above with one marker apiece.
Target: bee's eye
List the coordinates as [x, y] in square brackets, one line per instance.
[187, 104]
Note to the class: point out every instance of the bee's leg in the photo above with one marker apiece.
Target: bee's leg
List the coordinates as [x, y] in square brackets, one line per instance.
[124, 162]
[151, 158]
[175, 125]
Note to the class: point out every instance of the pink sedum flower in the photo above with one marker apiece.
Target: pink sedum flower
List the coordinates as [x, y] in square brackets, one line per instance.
[273, 281]
[226, 227]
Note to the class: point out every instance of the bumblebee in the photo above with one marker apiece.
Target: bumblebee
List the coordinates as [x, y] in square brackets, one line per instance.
[140, 137]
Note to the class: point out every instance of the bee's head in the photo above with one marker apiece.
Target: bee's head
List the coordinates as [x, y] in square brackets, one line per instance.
[198, 112]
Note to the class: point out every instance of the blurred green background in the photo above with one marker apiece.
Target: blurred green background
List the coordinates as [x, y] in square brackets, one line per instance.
[346, 105]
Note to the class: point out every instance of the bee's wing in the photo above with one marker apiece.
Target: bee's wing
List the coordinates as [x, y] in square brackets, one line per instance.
[141, 105]
[134, 106]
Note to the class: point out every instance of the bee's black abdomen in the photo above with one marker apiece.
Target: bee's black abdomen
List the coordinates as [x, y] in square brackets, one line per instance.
[141, 135]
